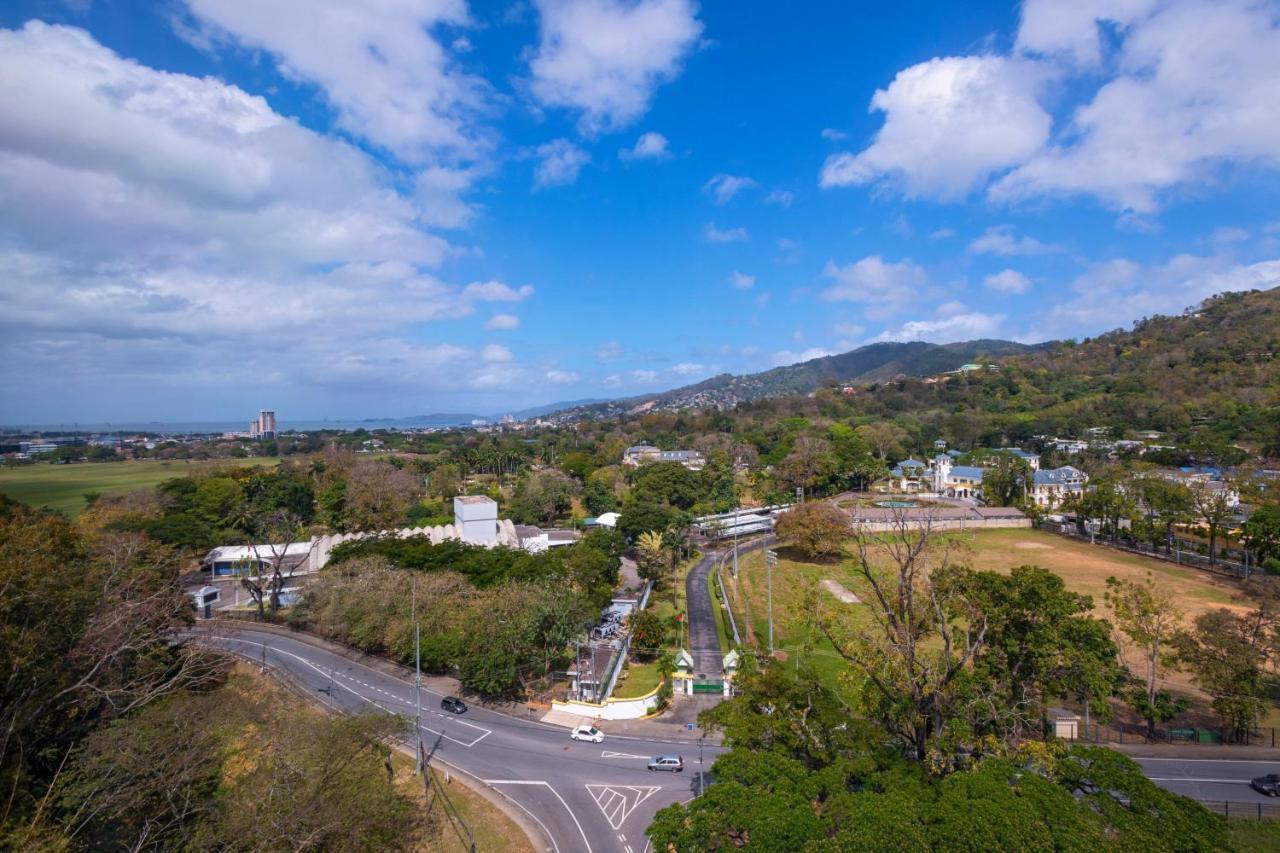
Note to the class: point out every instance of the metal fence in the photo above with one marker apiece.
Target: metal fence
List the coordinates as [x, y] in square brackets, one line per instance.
[1180, 551]
[1243, 811]
[1191, 735]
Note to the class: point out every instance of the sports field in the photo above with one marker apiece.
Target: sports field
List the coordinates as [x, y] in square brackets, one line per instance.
[801, 586]
[63, 487]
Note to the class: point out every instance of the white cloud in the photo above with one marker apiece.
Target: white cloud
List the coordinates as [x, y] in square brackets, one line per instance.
[942, 234]
[496, 291]
[1001, 240]
[950, 123]
[1055, 28]
[712, 234]
[875, 282]
[606, 57]
[946, 329]
[1229, 235]
[742, 281]
[833, 135]
[785, 357]
[562, 377]
[148, 213]
[644, 376]
[724, 187]
[613, 380]
[780, 197]
[387, 77]
[1186, 101]
[650, 146]
[609, 351]
[1007, 281]
[503, 322]
[559, 163]
[1112, 293]
[687, 368]
[496, 353]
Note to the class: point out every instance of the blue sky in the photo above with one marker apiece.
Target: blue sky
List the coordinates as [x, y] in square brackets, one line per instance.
[405, 206]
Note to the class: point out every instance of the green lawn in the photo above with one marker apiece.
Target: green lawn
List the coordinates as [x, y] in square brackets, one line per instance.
[640, 679]
[63, 487]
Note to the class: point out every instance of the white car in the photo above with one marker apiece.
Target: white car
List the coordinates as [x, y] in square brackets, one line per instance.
[588, 733]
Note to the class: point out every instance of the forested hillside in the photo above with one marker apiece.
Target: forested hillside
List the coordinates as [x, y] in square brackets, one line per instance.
[1209, 376]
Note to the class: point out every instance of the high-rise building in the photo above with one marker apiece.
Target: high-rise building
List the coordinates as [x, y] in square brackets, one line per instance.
[263, 426]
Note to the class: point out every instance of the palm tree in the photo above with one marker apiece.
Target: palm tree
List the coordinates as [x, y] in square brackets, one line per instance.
[651, 549]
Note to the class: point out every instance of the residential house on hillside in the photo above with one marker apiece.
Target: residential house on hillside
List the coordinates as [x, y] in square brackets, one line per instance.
[1048, 488]
[638, 454]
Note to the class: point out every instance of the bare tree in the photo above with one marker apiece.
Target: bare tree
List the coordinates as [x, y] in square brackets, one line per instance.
[1213, 506]
[923, 630]
[279, 528]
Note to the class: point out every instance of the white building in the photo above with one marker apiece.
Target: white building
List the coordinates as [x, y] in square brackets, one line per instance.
[638, 454]
[1048, 488]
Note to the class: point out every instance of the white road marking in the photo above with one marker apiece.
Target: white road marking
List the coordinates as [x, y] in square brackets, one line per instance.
[556, 793]
[334, 675]
[609, 754]
[1195, 779]
[1209, 760]
[617, 802]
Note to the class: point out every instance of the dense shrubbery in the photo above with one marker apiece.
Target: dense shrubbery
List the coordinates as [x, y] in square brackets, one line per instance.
[499, 617]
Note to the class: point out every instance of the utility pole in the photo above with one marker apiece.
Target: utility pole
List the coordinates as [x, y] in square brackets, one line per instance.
[417, 676]
[735, 547]
[771, 560]
[700, 776]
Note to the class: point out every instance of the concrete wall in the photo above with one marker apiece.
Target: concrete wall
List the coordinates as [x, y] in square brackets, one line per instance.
[612, 709]
[949, 524]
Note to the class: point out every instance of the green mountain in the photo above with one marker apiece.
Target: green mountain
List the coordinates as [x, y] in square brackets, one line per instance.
[863, 366]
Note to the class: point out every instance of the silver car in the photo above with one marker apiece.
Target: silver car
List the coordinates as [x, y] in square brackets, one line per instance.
[674, 763]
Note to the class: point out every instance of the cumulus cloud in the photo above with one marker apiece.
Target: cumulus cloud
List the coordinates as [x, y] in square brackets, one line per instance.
[1003, 240]
[782, 198]
[388, 78]
[559, 163]
[830, 133]
[742, 281]
[503, 322]
[609, 351]
[952, 326]
[784, 357]
[1111, 292]
[650, 146]
[496, 353]
[881, 285]
[950, 123]
[1155, 94]
[645, 376]
[1007, 281]
[562, 377]
[605, 58]
[688, 368]
[724, 187]
[712, 234]
[149, 213]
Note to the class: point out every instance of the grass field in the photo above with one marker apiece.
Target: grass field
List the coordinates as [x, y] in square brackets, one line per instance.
[640, 679]
[63, 487]
[798, 591]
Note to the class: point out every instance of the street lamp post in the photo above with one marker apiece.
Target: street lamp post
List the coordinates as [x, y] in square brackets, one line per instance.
[771, 560]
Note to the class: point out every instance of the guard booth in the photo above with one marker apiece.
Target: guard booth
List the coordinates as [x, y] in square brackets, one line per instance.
[203, 599]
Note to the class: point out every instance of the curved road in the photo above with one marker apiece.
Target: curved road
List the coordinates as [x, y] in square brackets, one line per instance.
[585, 797]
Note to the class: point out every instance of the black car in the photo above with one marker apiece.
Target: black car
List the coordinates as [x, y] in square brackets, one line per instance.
[1269, 784]
[453, 705]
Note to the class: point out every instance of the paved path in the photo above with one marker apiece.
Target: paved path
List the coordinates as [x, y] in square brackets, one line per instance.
[704, 642]
[1210, 779]
[583, 797]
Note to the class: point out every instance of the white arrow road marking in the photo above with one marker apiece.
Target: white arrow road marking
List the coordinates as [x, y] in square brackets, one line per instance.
[619, 801]
[608, 754]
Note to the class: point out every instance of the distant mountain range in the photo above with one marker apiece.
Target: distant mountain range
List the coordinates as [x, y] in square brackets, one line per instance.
[863, 366]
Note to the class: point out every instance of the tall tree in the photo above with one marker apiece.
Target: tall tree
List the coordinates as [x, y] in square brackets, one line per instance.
[1228, 655]
[1213, 507]
[816, 528]
[1147, 615]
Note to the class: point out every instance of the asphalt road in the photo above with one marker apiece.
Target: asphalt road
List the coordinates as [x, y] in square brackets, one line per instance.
[585, 797]
[1210, 779]
[704, 642]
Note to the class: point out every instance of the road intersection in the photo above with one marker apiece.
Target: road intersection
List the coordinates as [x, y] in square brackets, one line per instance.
[584, 797]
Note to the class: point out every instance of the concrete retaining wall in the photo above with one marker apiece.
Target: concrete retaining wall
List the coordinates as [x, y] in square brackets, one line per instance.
[612, 709]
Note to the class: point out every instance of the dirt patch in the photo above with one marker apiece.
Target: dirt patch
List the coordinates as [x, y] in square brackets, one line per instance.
[840, 592]
[1033, 546]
